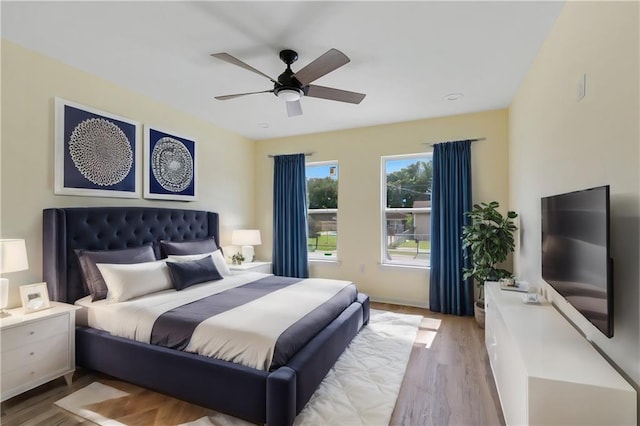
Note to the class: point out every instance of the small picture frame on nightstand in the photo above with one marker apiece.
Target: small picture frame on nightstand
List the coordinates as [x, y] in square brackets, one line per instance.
[35, 297]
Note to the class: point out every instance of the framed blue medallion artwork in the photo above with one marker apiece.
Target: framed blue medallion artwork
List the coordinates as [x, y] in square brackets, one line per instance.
[170, 171]
[96, 153]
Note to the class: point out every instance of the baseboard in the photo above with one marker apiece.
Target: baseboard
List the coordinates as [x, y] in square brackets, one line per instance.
[413, 303]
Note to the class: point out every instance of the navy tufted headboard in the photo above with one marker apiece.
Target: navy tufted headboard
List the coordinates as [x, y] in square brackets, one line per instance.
[107, 228]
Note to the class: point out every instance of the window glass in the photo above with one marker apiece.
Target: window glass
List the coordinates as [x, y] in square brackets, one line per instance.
[407, 210]
[322, 214]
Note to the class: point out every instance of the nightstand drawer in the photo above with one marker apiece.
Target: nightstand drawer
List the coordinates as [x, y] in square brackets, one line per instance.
[55, 347]
[34, 372]
[24, 334]
[36, 348]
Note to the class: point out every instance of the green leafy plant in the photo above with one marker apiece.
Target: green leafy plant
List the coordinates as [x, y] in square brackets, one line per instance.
[237, 259]
[490, 239]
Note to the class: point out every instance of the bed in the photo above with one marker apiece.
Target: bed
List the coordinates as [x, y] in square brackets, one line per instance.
[272, 396]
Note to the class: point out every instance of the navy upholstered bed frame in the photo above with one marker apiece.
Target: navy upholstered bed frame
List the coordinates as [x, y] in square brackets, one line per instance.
[258, 396]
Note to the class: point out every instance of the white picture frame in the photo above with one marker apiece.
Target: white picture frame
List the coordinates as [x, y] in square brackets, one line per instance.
[170, 165]
[81, 168]
[34, 297]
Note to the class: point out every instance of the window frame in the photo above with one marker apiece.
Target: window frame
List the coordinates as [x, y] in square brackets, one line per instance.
[333, 258]
[384, 261]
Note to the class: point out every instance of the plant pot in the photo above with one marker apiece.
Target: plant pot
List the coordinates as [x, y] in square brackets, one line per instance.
[478, 311]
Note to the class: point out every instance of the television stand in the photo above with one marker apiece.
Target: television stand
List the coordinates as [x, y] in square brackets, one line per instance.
[545, 371]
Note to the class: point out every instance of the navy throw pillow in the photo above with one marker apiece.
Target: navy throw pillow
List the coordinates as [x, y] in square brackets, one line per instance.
[207, 245]
[192, 272]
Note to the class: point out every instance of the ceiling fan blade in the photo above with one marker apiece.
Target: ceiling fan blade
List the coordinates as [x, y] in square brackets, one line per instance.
[235, 61]
[237, 95]
[327, 62]
[294, 108]
[334, 94]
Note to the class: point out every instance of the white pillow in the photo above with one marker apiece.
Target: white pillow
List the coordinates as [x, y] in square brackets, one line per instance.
[218, 260]
[125, 282]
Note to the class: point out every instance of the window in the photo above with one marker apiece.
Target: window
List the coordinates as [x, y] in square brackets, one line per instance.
[406, 209]
[322, 215]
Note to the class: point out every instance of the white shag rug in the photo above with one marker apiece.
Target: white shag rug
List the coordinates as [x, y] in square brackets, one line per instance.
[360, 389]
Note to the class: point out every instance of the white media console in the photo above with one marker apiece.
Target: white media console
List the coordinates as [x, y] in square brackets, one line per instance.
[545, 371]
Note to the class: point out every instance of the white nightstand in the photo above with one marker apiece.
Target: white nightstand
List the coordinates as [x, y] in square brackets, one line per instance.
[253, 267]
[37, 348]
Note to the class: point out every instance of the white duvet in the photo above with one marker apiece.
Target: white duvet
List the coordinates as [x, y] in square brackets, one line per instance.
[246, 335]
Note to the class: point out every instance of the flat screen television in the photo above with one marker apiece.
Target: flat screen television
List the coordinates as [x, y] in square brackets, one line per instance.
[576, 258]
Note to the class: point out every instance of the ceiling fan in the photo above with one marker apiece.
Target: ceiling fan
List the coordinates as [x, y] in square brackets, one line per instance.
[291, 86]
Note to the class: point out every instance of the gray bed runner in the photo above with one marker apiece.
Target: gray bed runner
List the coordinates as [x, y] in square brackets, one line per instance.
[174, 328]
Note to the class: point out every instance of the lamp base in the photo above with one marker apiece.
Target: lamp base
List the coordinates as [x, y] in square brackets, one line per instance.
[248, 252]
[4, 297]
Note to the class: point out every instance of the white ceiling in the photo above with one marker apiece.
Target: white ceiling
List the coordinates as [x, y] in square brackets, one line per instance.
[406, 56]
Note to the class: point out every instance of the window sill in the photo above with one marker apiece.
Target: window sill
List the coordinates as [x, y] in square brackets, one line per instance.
[325, 261]
[404, 266]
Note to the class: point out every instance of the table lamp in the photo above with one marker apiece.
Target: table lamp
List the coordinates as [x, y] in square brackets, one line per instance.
[247, 238]
[13, 258]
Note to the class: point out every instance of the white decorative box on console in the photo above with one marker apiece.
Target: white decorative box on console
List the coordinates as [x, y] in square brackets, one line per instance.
[37, 347]
[545, 371]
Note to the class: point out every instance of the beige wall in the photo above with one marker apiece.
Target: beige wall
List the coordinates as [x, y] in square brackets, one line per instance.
[559, 144]
[30, 82]
[358, 153]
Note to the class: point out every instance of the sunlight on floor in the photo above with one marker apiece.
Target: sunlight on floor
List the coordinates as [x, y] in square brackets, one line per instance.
[428, 331]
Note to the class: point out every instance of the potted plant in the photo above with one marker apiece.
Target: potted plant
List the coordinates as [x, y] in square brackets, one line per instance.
[490, 239]
[237, 259]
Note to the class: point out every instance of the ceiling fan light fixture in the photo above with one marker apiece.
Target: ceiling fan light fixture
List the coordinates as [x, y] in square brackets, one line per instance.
[289, 94]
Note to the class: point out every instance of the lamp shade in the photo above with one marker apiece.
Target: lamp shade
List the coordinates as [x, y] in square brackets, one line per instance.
[246, 237]
[13, 256]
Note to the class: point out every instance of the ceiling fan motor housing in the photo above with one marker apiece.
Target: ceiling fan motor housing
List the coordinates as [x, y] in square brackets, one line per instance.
[286, 82]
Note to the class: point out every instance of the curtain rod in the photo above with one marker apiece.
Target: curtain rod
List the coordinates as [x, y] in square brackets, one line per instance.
[461, 140]
[306, 154]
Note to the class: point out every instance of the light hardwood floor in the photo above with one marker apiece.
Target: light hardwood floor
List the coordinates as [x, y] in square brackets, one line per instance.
[448, 382]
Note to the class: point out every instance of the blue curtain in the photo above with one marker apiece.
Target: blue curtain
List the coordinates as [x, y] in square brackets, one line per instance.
[450, 199]
[290, 217]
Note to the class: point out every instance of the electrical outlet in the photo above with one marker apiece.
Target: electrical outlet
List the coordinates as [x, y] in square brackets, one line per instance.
[582, 87]
[362, 268]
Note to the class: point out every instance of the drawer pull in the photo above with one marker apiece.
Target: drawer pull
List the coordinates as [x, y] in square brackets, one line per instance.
[31, 353]
[31, 333]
